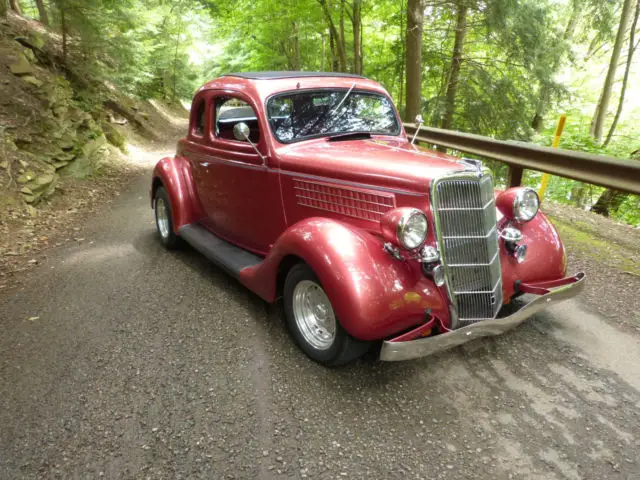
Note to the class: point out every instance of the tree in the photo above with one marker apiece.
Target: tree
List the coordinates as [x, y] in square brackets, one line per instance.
[456, 62]
[337, 40]
[63, 27]
[625, 79]
[3, 9]
[415, 25]
[597, 124]
[42, 12]
[356, 22]
[546, 88]
[611, 200]
[15, 6]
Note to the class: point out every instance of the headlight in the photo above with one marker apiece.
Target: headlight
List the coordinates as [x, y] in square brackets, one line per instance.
[405, 226]
[525, 205]
[412, 229]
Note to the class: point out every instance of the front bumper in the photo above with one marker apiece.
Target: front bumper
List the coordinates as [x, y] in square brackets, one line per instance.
[550, 292]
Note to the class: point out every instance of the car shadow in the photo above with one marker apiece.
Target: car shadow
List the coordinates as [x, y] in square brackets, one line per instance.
[269, 319]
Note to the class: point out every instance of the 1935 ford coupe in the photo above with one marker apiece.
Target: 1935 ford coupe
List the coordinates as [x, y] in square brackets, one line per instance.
[305, 187]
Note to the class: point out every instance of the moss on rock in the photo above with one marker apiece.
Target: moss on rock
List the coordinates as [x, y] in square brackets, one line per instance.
[113, 135]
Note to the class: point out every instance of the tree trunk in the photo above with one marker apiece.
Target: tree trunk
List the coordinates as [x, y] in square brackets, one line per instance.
[342, 40]
[324, 53]
[15, 6]
[361, 45]
[297, 62]
[339, 46]
[545, 91]
[42, 12]
[456, 62]
[3, 9]
[175, 68]
[63, 26]
[334, 57]
[415, 25]
[609, 201]
[357, 47]
[603, 103]
[401, 64]
[625, 79]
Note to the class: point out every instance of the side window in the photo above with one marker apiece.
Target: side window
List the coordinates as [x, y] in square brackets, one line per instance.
[198, 119]
[229, 112]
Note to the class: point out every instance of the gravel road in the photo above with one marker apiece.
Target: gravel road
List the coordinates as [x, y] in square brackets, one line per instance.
[119, 359]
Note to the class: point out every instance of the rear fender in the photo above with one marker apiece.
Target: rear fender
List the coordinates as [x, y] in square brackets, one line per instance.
[373, 294]
[174, 174]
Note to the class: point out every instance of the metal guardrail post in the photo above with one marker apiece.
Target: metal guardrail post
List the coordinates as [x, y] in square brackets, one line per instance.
[554, 144]
[514, 176]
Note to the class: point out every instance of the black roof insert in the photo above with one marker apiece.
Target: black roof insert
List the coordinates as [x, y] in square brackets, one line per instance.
[288, 74]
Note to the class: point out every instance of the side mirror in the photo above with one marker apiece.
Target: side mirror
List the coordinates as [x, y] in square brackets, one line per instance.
[241, 132]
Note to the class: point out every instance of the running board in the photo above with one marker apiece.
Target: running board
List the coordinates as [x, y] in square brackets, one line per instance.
[224, 254]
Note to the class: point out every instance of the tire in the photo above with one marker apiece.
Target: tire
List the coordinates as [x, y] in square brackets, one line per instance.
[164, 219]
[305, 306]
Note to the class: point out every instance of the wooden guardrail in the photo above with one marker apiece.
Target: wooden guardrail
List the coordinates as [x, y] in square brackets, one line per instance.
[600, 170]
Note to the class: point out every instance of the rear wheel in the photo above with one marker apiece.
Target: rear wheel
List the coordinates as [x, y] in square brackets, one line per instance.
[164, 219]
[313, 322]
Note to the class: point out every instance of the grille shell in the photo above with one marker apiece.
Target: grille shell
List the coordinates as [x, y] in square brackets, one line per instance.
[465, 217]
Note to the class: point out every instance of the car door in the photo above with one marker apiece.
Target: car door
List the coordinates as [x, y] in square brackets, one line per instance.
[193, 148]
[241, 194]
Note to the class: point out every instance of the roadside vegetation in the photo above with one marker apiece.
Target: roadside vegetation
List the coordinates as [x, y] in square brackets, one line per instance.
[501, 68]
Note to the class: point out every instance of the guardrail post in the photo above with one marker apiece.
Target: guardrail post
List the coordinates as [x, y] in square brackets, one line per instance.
[514, 176]
[554, 144]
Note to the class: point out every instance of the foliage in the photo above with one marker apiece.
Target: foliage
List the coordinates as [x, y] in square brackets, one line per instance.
[521, 62]
[576, 137]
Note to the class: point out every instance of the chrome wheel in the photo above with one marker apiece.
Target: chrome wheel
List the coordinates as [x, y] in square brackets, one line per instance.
[162, 217]
[314, 314]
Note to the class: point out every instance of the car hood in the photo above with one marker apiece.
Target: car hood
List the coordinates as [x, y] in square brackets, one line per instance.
[381, 162]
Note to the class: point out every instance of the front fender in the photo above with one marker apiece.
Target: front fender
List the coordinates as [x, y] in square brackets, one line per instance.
[373, 294]
[174, 173]
[545, 260]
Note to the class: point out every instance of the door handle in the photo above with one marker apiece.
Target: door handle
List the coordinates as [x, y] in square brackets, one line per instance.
[204, 164]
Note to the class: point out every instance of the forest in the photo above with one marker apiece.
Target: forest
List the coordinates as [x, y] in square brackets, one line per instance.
[501, 68]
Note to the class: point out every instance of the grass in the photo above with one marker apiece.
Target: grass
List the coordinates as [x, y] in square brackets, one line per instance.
[579, 236]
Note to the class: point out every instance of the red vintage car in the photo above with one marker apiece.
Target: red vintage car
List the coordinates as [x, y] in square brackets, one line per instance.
[304, 187]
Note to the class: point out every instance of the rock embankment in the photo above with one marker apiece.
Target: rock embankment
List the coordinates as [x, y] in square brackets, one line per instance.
[57, 118]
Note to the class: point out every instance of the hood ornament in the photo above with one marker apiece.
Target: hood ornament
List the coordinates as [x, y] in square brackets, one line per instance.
[475, 164]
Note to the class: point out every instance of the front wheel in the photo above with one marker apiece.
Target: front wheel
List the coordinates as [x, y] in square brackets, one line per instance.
[313, 322]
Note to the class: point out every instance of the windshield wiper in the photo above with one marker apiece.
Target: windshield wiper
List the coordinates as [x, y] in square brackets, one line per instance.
[328, 112]
[349, 136]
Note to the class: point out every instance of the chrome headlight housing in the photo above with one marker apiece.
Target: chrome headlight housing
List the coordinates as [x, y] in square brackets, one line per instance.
[412, 229]
[405, 227]
[525, 205]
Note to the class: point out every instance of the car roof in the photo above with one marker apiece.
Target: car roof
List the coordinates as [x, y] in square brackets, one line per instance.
[275, 75]
[261, 85]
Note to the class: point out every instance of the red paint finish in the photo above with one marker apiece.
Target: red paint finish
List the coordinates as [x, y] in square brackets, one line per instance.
[373, 294]
[176, 176]
[545, 260]
[329, 204]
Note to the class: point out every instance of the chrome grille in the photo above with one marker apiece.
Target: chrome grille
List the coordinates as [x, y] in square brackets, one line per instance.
[466, 228]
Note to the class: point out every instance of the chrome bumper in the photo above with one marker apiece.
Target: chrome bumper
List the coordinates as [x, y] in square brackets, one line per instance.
[395, 351]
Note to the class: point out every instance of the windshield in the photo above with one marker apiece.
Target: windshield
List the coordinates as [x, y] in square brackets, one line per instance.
[295, 116]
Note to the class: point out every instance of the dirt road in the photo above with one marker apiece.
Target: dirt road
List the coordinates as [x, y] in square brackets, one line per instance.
[119, 359]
